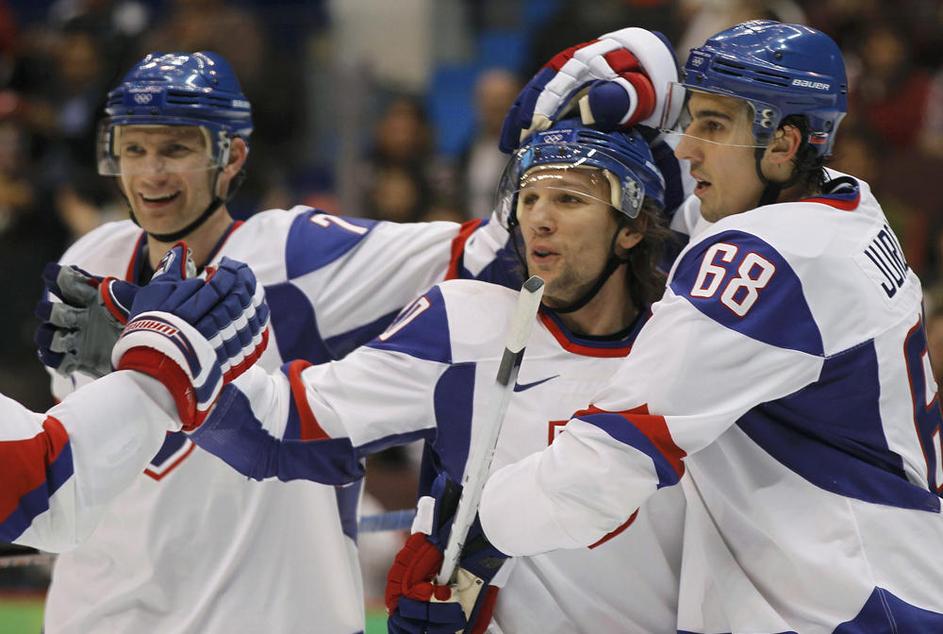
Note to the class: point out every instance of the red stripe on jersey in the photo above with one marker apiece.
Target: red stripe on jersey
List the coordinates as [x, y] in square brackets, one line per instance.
[655, 429]
[23, 463]
[561, 58]
[458, 246]
[837, 203]
[166, 469]
[133, 263]
[616, 532]
[310, 429]
[579, 348]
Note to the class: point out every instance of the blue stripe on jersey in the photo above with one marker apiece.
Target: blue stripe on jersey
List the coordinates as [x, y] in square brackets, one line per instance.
[343, 344]
[295, 325]
[768, 307]
[844, 431]
[172, 444]
[232, 433]
[453, 399]
[311, 245]
[421, 330]
[36, 502]
[885, 612]
[622, 429]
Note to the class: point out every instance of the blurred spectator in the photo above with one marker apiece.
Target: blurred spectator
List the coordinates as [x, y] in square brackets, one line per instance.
[703, 18]
[399, 177]
[891, 94]
[481, 164]
[271, 82]
[114, 24]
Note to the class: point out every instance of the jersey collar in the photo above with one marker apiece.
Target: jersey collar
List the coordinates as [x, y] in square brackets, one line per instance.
[592, 346]
[139, 268]
[841, 193]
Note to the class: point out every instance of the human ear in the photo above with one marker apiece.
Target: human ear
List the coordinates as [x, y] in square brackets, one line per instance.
[628, 238]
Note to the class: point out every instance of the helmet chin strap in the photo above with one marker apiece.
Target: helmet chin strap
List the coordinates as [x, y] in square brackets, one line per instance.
[215, 204]
[611, 265]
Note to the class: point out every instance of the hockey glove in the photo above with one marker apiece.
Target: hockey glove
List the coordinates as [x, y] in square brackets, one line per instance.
[194, 335]
[79, 330]
[618, 80]
[415, 603]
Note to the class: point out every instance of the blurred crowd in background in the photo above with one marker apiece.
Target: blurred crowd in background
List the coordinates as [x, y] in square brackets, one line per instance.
[391, 110]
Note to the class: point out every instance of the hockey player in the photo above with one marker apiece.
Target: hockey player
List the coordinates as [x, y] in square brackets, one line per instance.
[585, 209]
[177, 140]
[60, 470]
[785, 372]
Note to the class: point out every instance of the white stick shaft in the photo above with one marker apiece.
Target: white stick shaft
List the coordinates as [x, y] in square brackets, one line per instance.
[487, 426]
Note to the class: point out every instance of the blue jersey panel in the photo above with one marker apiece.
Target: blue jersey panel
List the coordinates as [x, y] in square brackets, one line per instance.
[315, 240]
[621, 429]
[36, 501]
[343, 344]
[421, 330]
[743, 283]
[454, 396]
[842, 448]
[233, 434]
[884, 612]
[295, 324]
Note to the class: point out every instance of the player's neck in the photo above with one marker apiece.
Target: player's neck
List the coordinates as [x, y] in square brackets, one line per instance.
[201, 241]
[610, 311]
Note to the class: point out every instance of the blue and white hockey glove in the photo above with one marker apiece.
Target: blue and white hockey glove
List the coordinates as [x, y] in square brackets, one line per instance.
[618, 80]
[194, 336]
[79, 330]
[414, 602]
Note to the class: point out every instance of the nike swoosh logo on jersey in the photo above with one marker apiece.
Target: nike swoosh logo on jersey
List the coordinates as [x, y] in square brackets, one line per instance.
[520, 387]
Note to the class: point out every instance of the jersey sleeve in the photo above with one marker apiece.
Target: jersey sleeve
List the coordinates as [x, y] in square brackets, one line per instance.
[733, 331]
[316, 422]
[60, 469]
[349, 277]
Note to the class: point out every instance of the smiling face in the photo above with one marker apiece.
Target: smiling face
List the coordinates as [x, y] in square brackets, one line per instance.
[567, 230]
[720, 146]
[166, 174]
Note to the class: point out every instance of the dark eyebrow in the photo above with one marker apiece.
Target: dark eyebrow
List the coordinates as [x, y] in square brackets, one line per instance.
[713, 113]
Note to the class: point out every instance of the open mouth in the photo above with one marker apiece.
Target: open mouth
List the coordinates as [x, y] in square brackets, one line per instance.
[542, 255]
[701, 186]
[159, 200]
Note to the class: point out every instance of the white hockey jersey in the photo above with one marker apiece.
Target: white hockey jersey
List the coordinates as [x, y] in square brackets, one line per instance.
[192, 546]
[786, 373]
[426, 377]
[59, 470]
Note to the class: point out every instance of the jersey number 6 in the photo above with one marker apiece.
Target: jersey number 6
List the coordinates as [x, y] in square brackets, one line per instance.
[742, 290]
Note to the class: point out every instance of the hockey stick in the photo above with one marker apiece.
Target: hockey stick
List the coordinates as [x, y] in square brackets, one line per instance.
[485, 432]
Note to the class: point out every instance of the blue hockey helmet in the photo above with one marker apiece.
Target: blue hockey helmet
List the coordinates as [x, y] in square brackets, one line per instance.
[779, 69]
[177, 89]
[624, 158]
